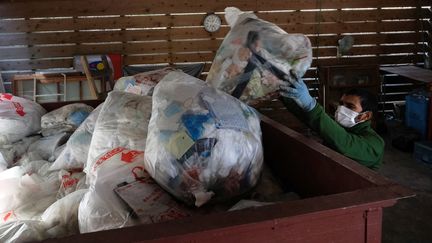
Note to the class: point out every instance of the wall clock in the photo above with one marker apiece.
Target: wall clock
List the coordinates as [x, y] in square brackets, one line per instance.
[212, 22]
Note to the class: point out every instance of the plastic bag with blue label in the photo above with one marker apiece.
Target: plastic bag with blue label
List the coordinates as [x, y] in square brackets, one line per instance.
[203, 144]
[74, 155]
[65, 119]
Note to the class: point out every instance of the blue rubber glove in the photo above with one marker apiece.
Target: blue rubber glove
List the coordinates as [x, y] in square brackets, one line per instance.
[299, 93]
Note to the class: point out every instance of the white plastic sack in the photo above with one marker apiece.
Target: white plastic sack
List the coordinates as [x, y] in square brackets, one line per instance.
[141, 83]
[255, 56]
[122, 122]
[19, 118]
[203, 144]
[108, 206]
[74, 155]
[71, 115]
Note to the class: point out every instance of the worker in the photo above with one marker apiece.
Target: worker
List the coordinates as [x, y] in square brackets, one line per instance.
[350, 133]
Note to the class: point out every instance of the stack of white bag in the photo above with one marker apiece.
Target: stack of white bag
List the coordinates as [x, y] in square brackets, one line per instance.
[19, 118]
[74, 155]
[255, 57]
[57, 126]
[36, 203]
[116, 158]
[203, 144]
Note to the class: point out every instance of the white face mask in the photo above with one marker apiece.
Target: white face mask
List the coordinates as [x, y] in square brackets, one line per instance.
[346, 117]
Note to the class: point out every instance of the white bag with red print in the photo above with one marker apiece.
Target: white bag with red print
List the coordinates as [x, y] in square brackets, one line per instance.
[122, 122]
[123, 194]
[19, 118]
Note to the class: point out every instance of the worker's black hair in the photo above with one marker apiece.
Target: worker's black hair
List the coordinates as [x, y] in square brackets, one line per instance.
[368, 100]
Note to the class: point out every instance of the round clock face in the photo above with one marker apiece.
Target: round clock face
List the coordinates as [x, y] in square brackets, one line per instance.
[212, 23]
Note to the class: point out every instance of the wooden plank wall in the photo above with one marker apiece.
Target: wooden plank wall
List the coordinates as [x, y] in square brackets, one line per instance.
[48, 33]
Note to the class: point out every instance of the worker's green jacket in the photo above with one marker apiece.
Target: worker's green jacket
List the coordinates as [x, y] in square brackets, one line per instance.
[360, 142]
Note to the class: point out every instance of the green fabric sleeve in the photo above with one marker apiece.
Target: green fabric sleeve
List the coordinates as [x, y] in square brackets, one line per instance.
[359, 143]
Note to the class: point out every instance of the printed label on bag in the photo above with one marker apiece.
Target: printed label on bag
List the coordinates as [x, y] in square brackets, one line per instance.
[107, 156]
[8, 216]
[68, 181]
[125, 155]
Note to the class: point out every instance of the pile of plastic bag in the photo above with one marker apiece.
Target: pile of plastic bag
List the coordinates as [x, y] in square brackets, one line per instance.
[203, 144]
[116, 158]
[255, 57]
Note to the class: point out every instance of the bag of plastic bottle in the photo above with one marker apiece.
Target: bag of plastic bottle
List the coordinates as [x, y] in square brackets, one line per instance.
[255, 57]
[203, 144]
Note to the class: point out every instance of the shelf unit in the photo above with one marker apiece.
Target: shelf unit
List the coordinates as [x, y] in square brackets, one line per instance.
[335, 80]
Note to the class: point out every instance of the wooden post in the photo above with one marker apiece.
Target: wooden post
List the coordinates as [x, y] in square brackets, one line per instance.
[90, 80]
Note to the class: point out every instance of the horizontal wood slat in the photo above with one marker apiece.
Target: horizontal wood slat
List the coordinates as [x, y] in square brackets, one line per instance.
[111, 7]
[198, 57]
[175, 47]
[122, 22]
[166, 31]
[36, 64]
[177, 34]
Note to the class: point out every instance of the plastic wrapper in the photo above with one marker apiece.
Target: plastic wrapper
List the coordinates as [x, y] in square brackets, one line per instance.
[74, 155]
[65, 118]
[141, 83]
[203, 144]
[9, 154]
[122, 122]
[255, 57]
[19, 118]
[124, 195]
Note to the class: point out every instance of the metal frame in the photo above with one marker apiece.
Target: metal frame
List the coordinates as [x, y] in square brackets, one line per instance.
[35, 95]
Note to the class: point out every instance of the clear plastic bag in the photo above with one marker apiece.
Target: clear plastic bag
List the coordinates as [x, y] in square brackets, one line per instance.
[203, 144]
[255, 56]
[19, 118]
[74, 155]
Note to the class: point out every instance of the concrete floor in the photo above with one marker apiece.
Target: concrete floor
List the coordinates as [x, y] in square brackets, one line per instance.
[410, 220]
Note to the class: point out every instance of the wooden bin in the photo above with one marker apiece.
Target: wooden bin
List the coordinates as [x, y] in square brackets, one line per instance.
[342, 201]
